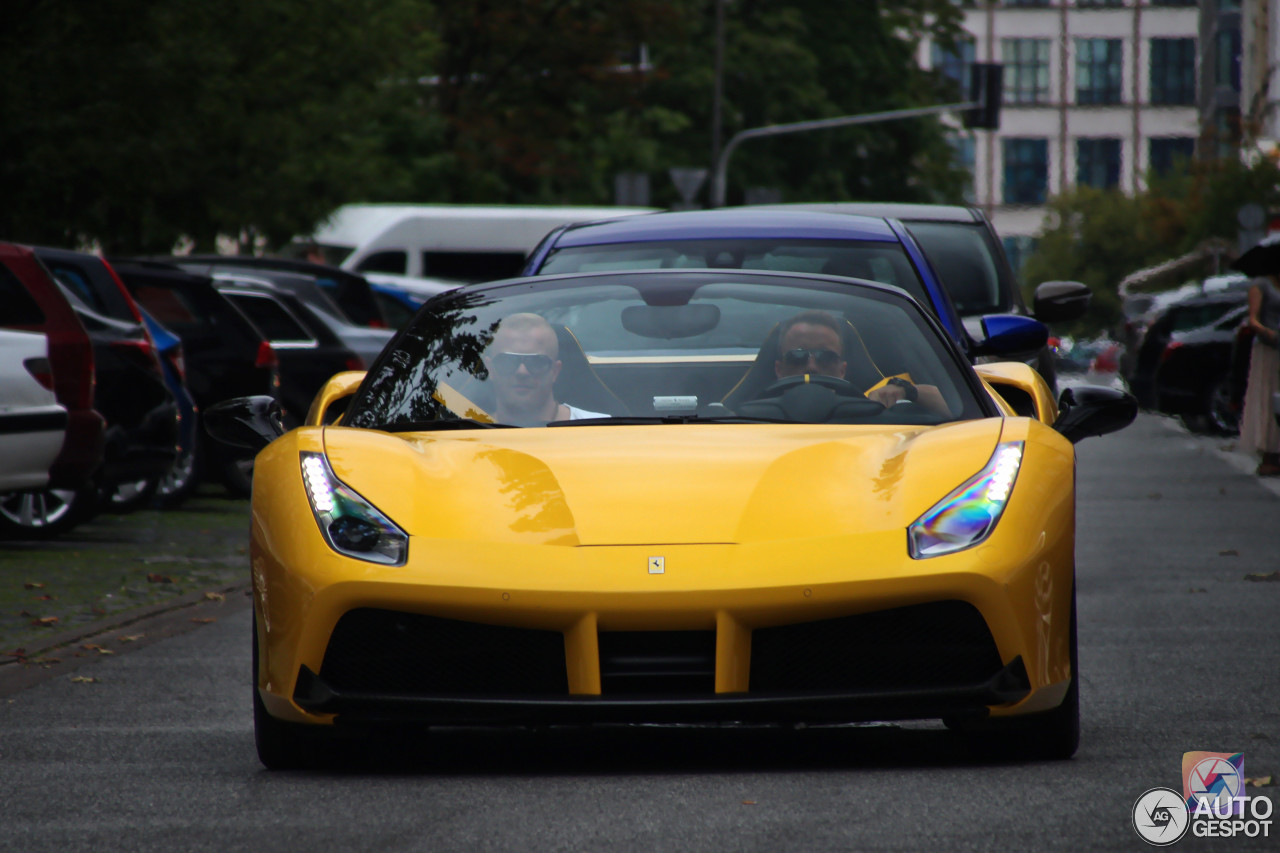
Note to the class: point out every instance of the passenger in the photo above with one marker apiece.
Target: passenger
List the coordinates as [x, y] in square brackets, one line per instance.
[812, 342]
[523, 362]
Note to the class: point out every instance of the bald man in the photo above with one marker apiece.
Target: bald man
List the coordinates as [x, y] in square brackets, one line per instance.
[523, 362]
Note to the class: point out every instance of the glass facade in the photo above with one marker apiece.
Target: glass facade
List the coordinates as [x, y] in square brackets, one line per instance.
[1173, 71]
[1026, 70]
[1167, 152]
[1026, 170]
[1099, 71]
[955, 64]
[1098, 163]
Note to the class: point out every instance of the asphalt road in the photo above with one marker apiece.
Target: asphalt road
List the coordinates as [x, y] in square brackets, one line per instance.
[1179, 652]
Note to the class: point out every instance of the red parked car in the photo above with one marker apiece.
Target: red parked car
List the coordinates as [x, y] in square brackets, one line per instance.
[70, 497]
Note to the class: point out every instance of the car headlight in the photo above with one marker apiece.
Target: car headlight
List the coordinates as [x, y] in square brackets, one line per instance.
[350, 524]
[967, 516]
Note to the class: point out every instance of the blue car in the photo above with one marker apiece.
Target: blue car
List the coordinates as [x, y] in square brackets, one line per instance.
[183, 477]
[864, 247]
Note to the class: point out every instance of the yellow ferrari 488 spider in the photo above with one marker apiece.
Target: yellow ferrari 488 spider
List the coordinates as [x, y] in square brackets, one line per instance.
[669, 496]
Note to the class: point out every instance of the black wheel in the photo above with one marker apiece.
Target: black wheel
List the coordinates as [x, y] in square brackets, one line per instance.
[281, 745]
[129, 497]
[1046, 736]
[46, 514]
[183, 478]
[1219, 416]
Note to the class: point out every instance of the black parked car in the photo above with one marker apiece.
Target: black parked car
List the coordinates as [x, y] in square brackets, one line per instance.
[309, 353]
[225, 355]
[1183, 365]
[131, 394]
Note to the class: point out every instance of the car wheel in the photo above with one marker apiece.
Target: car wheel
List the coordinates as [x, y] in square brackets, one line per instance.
[182, 479]
[1219, 416]
[129, 497]
[1046, 736]
[282, 745]
[46, 514]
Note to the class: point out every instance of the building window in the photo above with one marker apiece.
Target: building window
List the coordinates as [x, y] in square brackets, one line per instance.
[1094, 4]
[1168, 152]
[955, 64]
[1173, 71]
[1098, 163]
[1098, 71]
[1026, 71]
[1026, 170]
[1025, 3]
[1227, 53]
[1179, 3]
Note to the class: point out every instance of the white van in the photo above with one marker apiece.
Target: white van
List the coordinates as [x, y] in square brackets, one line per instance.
[461, 242]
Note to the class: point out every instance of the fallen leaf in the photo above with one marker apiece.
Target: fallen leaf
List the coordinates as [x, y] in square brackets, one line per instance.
[25, 614]
[1155, 496]
[83, 679]
[94, 647]
[129, 638]
[97, 610]
[1197, 589]
[46, 661]
[1230, 552]
[205, 620]
[45, 621]
[32, 585]
[1259, 782]
[214, 596]
[1253, 576]
[156, 577]
[748, 802]
[46, 597]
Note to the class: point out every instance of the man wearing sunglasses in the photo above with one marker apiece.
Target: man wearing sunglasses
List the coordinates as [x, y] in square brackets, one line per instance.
[812, 343]
[523, 362]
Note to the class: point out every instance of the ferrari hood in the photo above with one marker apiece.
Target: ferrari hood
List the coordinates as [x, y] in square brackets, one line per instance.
[672, 484]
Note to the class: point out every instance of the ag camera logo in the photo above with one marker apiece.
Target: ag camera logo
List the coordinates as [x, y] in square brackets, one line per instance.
[1160, 817]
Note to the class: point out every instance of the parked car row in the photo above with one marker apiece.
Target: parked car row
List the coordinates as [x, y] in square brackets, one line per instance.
[106, 364]
[1187, 356]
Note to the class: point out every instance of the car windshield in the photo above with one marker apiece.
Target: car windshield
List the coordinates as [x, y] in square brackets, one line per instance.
[884, 262]
[665, 347]
[964, 262]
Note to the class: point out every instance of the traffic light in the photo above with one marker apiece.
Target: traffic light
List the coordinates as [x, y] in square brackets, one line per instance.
[986, 86]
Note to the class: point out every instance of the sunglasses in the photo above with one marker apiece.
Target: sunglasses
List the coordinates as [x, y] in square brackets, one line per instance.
[507, 363]
[826, 359]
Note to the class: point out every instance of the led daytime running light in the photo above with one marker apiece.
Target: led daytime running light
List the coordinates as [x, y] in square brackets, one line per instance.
[968, 515]
[350, 524]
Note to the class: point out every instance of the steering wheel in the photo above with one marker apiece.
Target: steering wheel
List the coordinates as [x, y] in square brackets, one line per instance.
[842, 387]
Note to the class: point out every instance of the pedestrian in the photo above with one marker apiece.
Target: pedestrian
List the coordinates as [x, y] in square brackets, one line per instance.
[1258, 429]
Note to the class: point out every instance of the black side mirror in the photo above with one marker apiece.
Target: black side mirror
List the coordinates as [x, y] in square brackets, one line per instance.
[1061, 301]
[1092, 410]
[252, 422]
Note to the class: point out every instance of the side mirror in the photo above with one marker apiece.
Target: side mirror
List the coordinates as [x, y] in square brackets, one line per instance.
[1061, 301]
[251, 422]
[1010, 334]
[1092, 410]
[330, 402]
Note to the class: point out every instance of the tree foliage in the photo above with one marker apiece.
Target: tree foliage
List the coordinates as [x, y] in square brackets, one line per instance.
[133, 123]
[1101, 236]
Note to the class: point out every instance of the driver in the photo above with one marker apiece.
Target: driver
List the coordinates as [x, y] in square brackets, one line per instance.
[811, 342]
[523, 362]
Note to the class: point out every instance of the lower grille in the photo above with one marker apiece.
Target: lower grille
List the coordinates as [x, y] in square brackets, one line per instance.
[941, 644]
[657, 662]
[389, 652]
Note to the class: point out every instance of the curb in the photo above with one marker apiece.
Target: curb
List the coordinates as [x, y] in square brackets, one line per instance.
[148, 625]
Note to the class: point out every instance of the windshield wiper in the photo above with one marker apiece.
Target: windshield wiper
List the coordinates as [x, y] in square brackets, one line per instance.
[444, 423]
[634, 420]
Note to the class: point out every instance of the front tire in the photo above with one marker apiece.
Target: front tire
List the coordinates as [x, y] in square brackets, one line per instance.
[45, 514]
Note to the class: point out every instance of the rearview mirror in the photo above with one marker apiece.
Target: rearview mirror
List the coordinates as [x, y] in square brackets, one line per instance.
[1061, 301]
[1087, 410]
[1009, 334]
[250, 422]
[670, 321]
